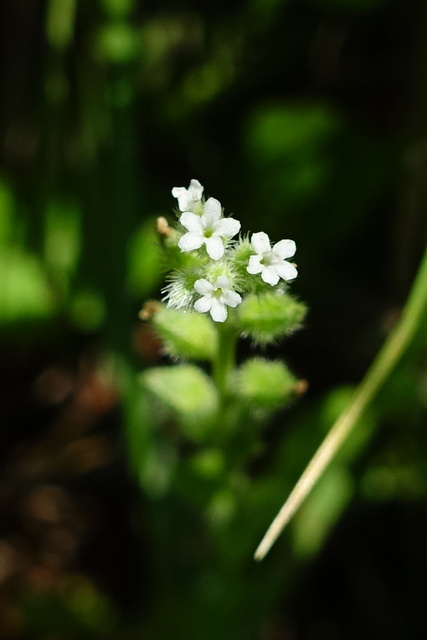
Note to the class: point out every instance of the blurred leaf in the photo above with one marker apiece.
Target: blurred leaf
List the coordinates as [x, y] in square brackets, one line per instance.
[74, 609]
[287, 147]
[62, 237]
[87, 309]
[265, 383]
[116, 42]
[117, 8]
[189, 392]
[277, 132]
[145, 260]
[60, 22]
[24, 291]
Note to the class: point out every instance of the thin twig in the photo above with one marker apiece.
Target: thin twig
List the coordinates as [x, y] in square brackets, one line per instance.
[382, 366]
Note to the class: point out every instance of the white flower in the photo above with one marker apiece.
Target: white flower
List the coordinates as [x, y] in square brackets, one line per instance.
[271, 262]
[209, 229]
[216, 297]
[188, 198]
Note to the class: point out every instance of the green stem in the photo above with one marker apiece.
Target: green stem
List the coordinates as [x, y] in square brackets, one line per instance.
[225, 359]
[380, 369]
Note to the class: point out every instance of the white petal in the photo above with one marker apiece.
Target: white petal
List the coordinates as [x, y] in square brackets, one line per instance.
[260, 242]
[286, 270]
[190, 241]
[218, 310]
[214, 247]
[188, 197]
[227, 227]
[196, 189]
[222, 282]
[285, 248]
[203, 287]
[231, 298]
[211, 212]
[255, 265]
[184, 200]
[192, 222]
[270, 276]
[177, 191]
[202, 305]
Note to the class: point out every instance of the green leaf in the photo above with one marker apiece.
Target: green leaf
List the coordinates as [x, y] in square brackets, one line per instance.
[264, 383]
[186, 335]
[268, 317]
[188, 392]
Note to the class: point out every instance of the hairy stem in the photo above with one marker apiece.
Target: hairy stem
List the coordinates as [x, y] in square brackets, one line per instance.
[225, 359]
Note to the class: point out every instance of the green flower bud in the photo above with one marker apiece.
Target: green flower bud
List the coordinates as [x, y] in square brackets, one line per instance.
[187, 335]
[239, 257]
[269, 316]
[265, 384]
[220, 269]
[188, 392]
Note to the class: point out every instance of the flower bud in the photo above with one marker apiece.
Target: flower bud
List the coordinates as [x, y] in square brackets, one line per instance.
[189, 393]
[187, 335]
[267, 317]
[265, 384]
[239, 257]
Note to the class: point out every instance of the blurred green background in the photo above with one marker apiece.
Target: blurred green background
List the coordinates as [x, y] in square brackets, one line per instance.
[307, 119]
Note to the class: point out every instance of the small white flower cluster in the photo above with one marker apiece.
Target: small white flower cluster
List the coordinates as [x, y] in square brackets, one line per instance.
[222, 267]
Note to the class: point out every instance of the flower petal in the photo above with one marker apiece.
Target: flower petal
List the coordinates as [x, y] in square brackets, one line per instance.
[214, 247]
[260, 242]
[286, 270]
[227, 227]
[196, 189]
[231, 298]
[192, 222]
[222, 282]
[270, 275]
[285, 248]
[190, 241]
[255, 265]
[204, 304]
[218, 310]
[188, 197]
[203, 287]
[211, 212]
[177, 191]
[180, 193]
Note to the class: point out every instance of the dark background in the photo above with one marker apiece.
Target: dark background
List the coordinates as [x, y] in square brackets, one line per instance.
[307, 119]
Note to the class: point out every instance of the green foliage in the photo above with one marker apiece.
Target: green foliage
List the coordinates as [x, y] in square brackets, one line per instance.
[265, 384]
[308, 119]
[145, 265]
[188, 392]
[116, 43]
[288, 146]
[186, 335]
[268, 317]
[24, 292]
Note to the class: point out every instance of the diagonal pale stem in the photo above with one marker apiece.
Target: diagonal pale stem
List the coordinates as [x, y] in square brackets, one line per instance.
[382, 366]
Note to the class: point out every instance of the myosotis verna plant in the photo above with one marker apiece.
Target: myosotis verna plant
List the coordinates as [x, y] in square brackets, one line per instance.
[220, 285]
